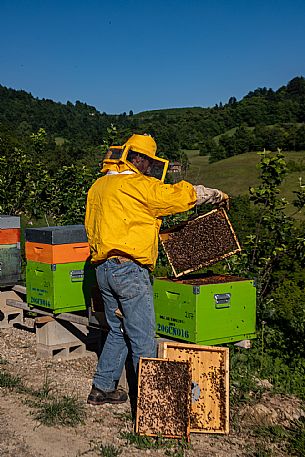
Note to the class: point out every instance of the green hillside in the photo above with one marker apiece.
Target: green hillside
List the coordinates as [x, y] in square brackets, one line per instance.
[220, 131]
[236, 174]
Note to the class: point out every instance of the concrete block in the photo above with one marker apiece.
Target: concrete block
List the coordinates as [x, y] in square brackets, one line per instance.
[59, 340]
[64, 351]
[8, 295]
[9, 315]
[50, 332]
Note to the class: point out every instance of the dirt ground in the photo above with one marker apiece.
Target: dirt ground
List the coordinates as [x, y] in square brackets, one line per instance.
[22, 435]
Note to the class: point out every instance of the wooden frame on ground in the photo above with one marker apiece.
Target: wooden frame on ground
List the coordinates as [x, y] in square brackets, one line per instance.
[210, 383]
[164, 398]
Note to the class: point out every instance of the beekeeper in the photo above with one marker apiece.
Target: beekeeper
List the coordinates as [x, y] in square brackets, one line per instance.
[123, 218]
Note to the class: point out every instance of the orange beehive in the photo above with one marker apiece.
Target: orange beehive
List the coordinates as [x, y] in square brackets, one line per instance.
[57, 253]
[10, 236]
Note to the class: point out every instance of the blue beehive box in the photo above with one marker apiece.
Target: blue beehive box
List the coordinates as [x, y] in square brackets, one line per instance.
[65, 234]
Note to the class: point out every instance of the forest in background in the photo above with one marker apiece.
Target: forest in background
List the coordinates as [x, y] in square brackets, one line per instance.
[264, 118]
[49, 155]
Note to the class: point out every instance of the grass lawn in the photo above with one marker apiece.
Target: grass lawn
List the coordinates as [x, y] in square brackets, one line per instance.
[236, 174]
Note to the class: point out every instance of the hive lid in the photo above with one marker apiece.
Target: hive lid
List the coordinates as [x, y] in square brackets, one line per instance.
[199, 242]
[9, 222]
[65, 234]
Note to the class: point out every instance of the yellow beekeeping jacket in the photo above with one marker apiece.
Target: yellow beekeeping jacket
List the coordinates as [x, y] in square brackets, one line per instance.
[123, 215]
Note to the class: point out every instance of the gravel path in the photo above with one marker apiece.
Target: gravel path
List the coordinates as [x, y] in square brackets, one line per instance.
[22, 435]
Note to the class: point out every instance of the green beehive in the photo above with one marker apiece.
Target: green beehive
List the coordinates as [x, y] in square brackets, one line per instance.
[10, 264]
[60, 287]
[206, 310]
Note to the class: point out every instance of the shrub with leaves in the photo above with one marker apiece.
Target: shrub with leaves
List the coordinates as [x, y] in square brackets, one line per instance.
[276, 242]
[24, 185]
[69, 193]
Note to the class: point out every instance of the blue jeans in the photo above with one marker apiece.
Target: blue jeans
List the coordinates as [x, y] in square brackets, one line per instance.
[126, 286]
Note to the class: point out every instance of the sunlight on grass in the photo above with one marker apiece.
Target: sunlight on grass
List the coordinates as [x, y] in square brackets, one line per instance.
[236, 174]
[67, 411]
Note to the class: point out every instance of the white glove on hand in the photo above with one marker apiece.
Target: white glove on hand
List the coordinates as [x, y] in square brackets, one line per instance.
[207, 195]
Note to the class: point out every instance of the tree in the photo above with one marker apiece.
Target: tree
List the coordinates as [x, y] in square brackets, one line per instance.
[244, 140]
[232, 100]
[207, 147]
[69, 192]
[276, 240]
[296, 87]
[24, 185]
[217, 152]
[39, 141]
[275, 138]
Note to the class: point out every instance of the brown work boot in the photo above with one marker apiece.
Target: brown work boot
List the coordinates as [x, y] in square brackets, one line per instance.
[99, 397]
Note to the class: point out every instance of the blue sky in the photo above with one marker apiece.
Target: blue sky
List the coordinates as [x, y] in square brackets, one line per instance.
[140, 55]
